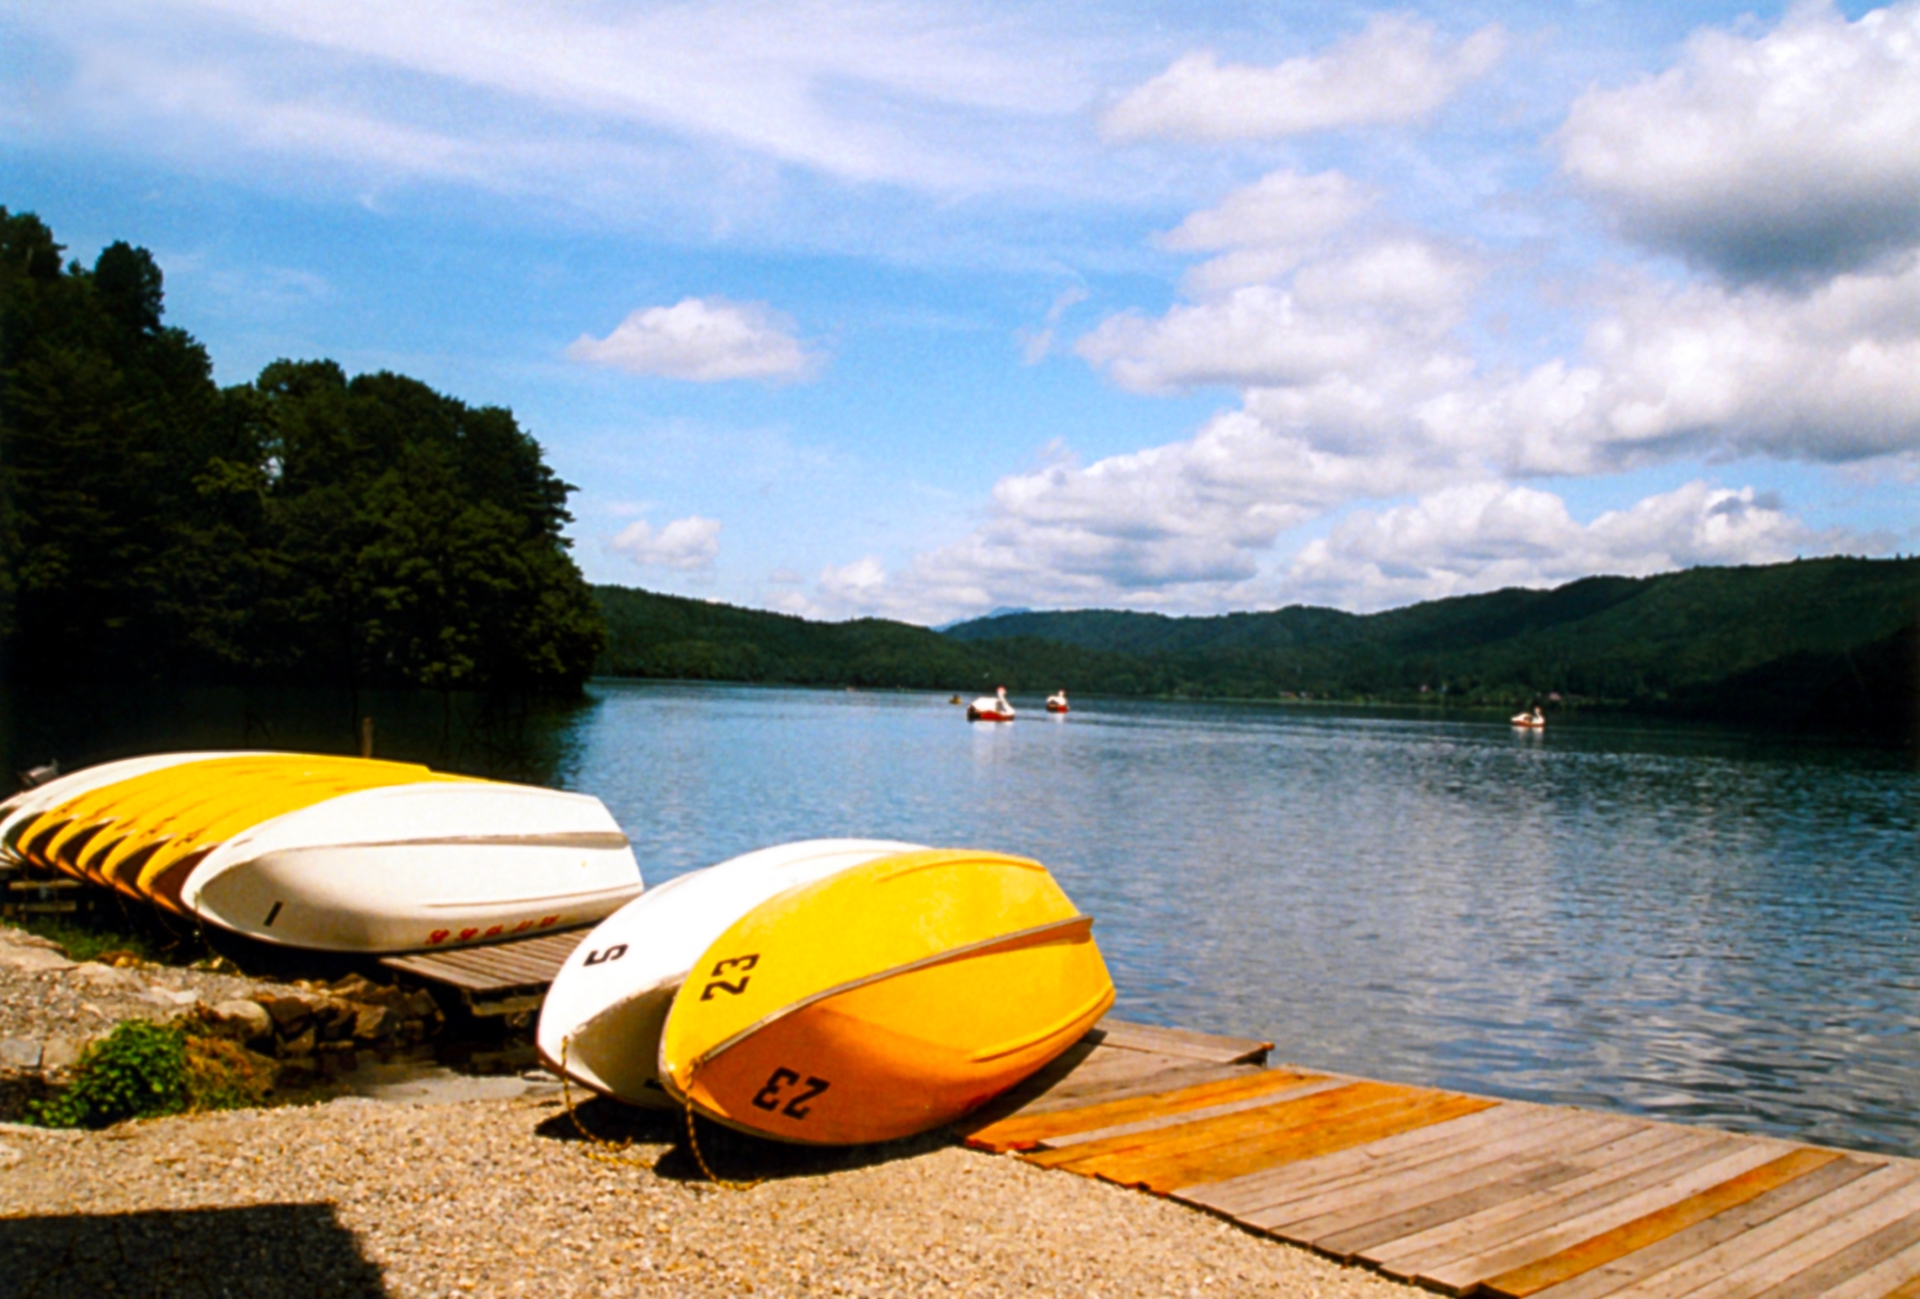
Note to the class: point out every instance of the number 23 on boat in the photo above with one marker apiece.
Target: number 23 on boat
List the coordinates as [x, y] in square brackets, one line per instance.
[884, 1001]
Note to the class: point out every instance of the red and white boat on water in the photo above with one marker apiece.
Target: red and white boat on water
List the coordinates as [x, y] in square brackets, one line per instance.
[1533, 721]
[1057, 702]
[991, 708]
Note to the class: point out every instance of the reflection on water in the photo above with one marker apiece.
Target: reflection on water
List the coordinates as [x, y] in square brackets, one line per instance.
[1683, 923]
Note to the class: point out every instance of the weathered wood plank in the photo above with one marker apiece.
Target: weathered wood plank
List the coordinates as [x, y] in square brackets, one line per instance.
[1787, 1262]
[1299, 1091]
[1896, 1278]
[1125, 1036]
[1650, 1228]
[1257, 1146]
[1653, 1147]
[1862, 1255]
[1439, 1192]
[1123, 1087]
[1365, 1199]
[1656, 1190]
[1023, 1130]
[1678, 1248]
[1360, 1165]
[1753, 1260]
[1201, 1135]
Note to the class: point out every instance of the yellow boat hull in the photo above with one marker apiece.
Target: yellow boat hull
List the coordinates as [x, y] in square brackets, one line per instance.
[885, 1001]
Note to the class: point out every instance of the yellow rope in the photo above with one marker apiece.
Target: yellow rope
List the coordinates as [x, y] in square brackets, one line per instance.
[598, 1147]
[609, 1152]
[693, 1143]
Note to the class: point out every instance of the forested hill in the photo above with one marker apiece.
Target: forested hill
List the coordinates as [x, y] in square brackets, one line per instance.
[305, 528]
[1830, 643]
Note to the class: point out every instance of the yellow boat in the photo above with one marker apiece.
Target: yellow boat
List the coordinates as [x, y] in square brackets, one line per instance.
[330, 853]
[884, 1001]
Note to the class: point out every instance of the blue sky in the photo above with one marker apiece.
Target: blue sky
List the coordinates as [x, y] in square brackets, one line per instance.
[918, 310]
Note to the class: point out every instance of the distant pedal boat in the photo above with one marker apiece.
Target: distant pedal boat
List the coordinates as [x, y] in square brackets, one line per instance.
[991, 708]
[601, 1022]
[884, 1001]
[329, 853]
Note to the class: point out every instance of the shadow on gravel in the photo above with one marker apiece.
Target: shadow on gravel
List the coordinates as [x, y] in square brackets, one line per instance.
[262, 1249]
[733, 1156]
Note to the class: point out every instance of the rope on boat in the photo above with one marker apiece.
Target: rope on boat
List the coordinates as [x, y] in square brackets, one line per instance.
[613, 1152]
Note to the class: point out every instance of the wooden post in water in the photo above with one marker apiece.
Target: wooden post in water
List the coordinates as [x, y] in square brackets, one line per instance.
[366, 737]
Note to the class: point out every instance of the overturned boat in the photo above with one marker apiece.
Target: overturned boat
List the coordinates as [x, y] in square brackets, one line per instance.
[601, 1022]
[885, 1000]
[329, 853]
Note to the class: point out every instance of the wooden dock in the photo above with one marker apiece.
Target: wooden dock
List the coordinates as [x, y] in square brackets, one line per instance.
[1465, 1193]
[1460, 1193]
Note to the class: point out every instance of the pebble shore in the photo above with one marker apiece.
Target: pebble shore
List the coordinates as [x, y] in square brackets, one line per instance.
[357, 1197]
[503, 1196]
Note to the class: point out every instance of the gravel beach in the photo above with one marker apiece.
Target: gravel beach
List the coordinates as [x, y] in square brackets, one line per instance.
[359, 1197]
[484, 1186]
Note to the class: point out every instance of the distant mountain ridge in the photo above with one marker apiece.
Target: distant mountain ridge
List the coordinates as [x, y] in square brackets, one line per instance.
[1826, 643]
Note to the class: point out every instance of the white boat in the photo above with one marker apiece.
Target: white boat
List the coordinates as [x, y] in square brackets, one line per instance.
[991, 708]
[607, 1007]
[1533, 721]
[1057, 702]
[335, 854]
[412, 867]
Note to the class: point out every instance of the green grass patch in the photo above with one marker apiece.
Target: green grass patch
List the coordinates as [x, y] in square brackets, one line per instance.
[144, 1070]
[87, 936]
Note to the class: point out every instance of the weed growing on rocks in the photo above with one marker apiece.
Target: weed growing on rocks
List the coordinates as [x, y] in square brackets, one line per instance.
[142, 1070]
[137, 1070]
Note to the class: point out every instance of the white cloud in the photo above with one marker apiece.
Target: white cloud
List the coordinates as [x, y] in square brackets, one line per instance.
[1035, 344]
[1768, 156]
[1266, 229]
[1828, 375]
[1397, 69]
[702, 339]
[609, 107]
[690, 544]
[1486, 536]
[1389, 304]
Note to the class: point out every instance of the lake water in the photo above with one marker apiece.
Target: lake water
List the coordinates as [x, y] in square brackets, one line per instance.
[1680, 922]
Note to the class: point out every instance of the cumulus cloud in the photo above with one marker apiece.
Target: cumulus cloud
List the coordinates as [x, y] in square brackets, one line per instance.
[1774, 156]
[1395, 70]
[1485, 536]
[1830, 375]
[1372, 307]
[1266, 229]
[690, 544]
[704, 340]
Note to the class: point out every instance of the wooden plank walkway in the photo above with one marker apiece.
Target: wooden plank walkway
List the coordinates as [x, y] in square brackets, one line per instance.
[1465, 1193]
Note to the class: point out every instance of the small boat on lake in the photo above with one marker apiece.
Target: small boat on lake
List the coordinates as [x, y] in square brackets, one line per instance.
[884, 1001]
[328, 853]
[601, 1022]
[1057, 702]
[991, 708]
[1533, 721]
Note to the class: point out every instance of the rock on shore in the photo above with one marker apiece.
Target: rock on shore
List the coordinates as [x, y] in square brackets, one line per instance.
[51, 1008]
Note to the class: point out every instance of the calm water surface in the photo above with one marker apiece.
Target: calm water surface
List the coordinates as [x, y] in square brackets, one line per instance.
[1689, 924]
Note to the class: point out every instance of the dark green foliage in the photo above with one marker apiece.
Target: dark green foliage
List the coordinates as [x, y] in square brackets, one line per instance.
[138, 1070]
[1831, 644]
[652, 635]
[305, 528]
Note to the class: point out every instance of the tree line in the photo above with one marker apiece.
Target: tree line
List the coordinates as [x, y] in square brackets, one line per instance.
[1827, 645]
[304, 528]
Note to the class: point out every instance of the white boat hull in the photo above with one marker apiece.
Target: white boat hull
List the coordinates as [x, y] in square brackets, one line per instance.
[604, 1013]
[419, 867]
